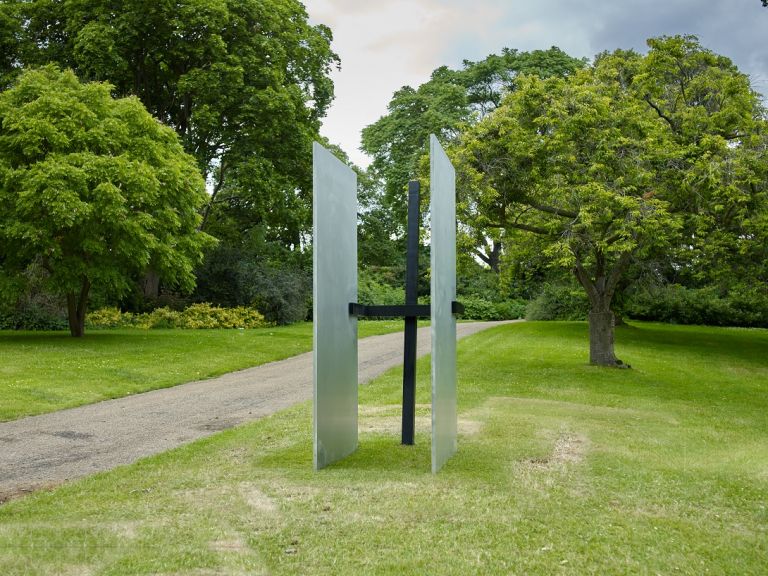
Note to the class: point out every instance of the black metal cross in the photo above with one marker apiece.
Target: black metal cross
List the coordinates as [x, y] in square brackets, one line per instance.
[411, 310]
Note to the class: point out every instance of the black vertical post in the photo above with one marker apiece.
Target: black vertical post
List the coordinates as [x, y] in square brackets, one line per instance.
[411, 297]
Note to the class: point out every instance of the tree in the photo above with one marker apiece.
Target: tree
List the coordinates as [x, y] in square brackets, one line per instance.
[243, 82]
[632, 159]
[716, 166]
[570, 161]
[446, 104]
[94, 190]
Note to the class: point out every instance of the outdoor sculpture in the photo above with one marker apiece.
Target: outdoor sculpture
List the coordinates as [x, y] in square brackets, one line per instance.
[336, 309]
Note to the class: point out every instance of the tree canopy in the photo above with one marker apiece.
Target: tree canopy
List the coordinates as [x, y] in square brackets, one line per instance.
[449, 102]
[242, 82]
[94, 190]
[635, 158]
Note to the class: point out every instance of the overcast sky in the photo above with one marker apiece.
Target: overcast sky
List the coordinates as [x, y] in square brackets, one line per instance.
[386, 44]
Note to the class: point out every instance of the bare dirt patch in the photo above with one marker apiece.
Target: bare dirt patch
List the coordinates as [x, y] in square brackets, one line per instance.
[386, 419]
[257, 499]
[569, 448]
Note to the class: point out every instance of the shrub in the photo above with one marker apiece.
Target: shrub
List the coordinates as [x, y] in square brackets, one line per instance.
[480, 309]
[163, 318]
[511, 309]
[741, 306]
[371, 291]
[557, 302]
[105, 318]
[32, 318]
[283, 295]
[196, 316]
[27, 304]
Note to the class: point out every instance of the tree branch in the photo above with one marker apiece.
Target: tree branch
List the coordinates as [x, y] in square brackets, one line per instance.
[482, 256]
[529, 228]
[615, 274]
[554, 210]
[661, 113]
[216, 189]
[586, 283]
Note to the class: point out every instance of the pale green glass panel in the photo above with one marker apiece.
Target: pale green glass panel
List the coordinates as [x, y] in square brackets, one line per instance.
[335, 286]
[443, 260]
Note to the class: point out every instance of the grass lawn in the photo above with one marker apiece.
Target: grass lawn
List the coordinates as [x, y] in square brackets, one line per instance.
[46, 371]
[562, 468]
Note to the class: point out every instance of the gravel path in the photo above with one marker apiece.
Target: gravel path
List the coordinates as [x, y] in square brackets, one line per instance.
[46, 450]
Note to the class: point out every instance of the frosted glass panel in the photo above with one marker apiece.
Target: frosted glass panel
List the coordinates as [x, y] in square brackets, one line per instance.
[443, 261]
[335, 286]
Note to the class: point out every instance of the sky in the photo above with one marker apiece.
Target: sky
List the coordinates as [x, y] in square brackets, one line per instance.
[386, 44]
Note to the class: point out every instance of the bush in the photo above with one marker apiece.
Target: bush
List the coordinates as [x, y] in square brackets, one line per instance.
[741, 306]
[164, 318]
[481, 309]
[256, 273]
[27, 304]
[557, 302]
[107, 318]
[196, 316]
[283, 295]
[32, 318]
[511, 309]
[370, 290]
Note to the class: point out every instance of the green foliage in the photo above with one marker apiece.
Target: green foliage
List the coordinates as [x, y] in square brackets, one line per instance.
[282, 294]
[194, 317]
[476, 308]
[95, 191]
[449, 101]
[659, 158]
[373, 288]
[9, 31]
[108, 318]
[34, 317]
[741, 306]
[257, 273]
[558, 302]
[243, 82]
[714, 171]
[25, 304]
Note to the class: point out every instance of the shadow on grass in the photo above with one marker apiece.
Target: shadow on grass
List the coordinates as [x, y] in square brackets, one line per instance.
[385, 453]
[375, 453]
[742, 344]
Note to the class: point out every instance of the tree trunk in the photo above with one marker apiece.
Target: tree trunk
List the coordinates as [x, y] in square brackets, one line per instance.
[492, 258]
[600, 289]
[150, 285]
[76, 308]
[601, 327]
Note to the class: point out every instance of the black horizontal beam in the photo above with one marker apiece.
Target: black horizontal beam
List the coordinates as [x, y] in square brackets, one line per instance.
[412, 310]
[379, 311]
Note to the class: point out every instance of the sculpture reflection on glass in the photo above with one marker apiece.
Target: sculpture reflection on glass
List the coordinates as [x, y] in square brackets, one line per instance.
[336, 309]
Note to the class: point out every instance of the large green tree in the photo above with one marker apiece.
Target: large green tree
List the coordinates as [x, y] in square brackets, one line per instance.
[715, 167]
[94, 191]
[638, 158]
[571, 162]
[450, 101]
[243, 82]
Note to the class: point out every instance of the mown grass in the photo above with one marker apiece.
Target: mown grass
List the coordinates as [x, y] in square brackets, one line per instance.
[562, 468]
[46, 371]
